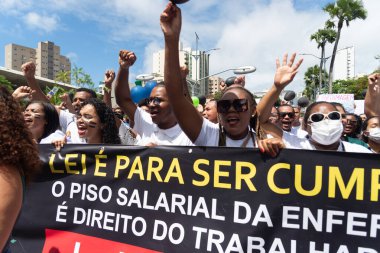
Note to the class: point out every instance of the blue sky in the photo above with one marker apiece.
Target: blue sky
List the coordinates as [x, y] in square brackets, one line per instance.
[249, 32]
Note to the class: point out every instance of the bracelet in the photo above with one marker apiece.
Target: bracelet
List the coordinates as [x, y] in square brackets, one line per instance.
[106, 89]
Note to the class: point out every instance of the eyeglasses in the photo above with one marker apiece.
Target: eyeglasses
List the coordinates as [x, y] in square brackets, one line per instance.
[317, 117]
[240, 105]
[155, 100]
[283, 114]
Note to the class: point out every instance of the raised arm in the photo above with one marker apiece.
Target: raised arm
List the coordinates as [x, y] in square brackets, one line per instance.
[22, 92]
[187, 115]
[122, 91]
[29, 70]
[284, 75]
[372, 98]
[109, 76]
[184, 73]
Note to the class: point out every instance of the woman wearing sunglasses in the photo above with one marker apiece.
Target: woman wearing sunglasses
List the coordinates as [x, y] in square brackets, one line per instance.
[235, 108]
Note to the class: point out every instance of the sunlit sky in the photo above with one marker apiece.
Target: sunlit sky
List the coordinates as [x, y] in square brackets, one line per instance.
[248, 32]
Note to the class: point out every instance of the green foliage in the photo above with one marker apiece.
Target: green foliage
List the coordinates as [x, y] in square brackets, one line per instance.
[323, 36]
[80, 78]
[342, 12]
[311, 78]
[355, 86]
[4, 82]
[218, 95]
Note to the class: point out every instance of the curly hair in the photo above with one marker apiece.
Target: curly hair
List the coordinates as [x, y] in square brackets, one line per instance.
[17, 147]
[110, 132]
[51, 117]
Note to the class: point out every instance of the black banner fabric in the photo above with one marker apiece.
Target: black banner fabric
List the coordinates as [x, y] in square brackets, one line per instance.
[193, 199]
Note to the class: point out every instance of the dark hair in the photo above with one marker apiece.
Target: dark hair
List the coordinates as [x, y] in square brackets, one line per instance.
[308, 110]
[336, 104]
[17, 147]
[51, 117]
[365, 125]
[358, 127]
[278, 108]
[89, 91]
[110, 132]
[253, 122]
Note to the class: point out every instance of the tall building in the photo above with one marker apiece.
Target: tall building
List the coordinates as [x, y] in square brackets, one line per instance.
[344, 66]
[47, 56]
[197, 62]
[213, 84]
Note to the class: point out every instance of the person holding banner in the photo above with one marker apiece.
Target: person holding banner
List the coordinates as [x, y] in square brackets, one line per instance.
[322, 121]
[234, 108]
[159, 126]
[96, 124]
[19, 160]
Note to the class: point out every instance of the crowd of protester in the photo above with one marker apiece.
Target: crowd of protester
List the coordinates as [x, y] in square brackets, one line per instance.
[168, 117]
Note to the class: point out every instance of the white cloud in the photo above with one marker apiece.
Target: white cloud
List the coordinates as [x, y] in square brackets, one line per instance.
[72, 56]
[47, 23]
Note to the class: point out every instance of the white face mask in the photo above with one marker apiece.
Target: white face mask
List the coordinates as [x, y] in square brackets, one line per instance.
[374, 134]
[326, 132]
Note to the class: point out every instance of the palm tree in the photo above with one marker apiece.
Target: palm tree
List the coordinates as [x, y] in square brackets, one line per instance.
[343, 11]
[321, 37]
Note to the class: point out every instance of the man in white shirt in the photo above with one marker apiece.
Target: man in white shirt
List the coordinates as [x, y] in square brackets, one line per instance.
[159, 126]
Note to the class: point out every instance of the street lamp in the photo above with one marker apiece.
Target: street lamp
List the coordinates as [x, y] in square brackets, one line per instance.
[377, 57]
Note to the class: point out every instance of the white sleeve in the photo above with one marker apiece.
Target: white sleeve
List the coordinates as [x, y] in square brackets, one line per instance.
[209, 135]
[143, 121]
[65, 118]
[125, 135]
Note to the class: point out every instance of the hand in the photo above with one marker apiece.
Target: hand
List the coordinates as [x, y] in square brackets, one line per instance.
[29, 69]
[126, 59]
[222, 85]
[23, 92]
[170, 21]
[374, 83]
[240, 80]
[271, 146]
[109, 76]
[184, 71]
[286, 73]
[65, 98]
[59, 143]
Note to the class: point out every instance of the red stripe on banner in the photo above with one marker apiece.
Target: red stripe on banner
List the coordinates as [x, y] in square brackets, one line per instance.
[58, 241]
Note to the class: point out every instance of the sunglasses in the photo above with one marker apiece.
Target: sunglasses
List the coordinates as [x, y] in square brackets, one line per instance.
[283, 114]
[240, 105]
[155, 100]
[317, 117]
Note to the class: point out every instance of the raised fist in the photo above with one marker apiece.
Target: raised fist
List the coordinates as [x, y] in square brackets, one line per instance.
[29, 69]
[109, 76]
[126, 58]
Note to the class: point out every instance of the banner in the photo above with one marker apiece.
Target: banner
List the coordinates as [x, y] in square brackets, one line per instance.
[96, 199]
[347, 100]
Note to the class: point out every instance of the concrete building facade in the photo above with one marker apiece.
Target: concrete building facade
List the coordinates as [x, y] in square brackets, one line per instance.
[47, 56]
[344, 66]
[213, 84]
[197, 62]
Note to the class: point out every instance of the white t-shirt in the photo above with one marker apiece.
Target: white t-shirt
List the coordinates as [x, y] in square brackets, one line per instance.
[209, 136]
[151, 133]
[65, 119]
[298, 131]
[294, 142]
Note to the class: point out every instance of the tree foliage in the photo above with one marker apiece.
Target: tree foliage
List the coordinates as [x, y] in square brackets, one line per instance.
[4, 82]
[342, 12]
[312, 77]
